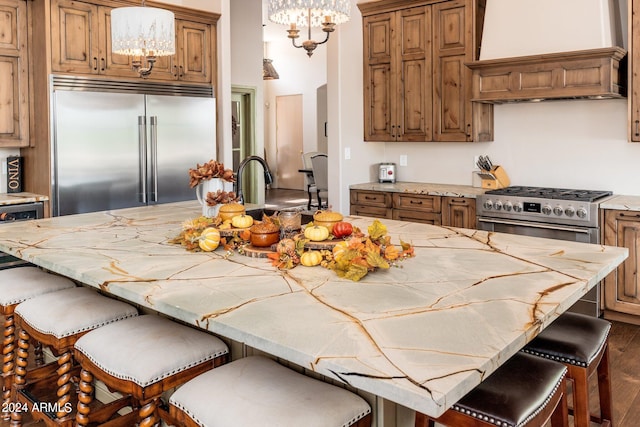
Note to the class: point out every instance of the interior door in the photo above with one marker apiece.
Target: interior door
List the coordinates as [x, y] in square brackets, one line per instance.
[289, 142]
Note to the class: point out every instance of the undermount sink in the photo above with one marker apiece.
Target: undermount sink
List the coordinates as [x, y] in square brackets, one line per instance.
[260, 212]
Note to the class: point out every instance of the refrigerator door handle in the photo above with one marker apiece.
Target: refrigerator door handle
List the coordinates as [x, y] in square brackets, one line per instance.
[142, 147]
[154, 158]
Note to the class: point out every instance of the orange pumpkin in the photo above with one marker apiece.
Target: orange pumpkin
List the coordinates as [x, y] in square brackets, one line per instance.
[285, 246]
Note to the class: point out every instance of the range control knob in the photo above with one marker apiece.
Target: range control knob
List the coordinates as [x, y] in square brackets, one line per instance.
[558, 210]
[546, 209]
[517, 207]
[570, 211]
[488, 205]
[498, 205]
[508, 207]
[582, 213]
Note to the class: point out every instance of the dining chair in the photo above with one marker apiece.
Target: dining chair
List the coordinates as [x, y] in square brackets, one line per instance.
[308, 177]
[320, 167]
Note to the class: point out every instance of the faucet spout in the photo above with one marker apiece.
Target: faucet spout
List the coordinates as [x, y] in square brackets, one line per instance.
[268, 178]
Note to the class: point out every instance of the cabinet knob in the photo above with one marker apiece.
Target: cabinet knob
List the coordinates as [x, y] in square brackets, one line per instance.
[95, 63]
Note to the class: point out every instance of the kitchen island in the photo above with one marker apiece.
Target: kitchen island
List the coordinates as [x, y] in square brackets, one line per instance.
[421, 335]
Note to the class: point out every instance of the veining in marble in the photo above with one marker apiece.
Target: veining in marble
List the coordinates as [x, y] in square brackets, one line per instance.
[17, 198]
[622, 203]
[431, 189]
[421, 335]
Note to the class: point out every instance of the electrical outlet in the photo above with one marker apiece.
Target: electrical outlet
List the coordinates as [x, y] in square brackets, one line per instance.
[403, 160]
[347, 153]
[475, 161]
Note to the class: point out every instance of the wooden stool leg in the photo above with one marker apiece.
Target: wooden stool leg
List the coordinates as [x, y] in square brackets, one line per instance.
[423, 421]
[19, 379]
[581, 415]
[604, 387]
[64, 383]
[8, 361]
[149, 414]
[38, 354]
[85, 397]
[560, 416]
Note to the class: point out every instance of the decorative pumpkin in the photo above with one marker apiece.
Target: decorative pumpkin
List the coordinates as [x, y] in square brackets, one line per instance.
[327, 219]
[317, 233]
[229, 210]
[342, 229]
[286, 246]
[339, 250]
[242, 221]
[311, 258]
[209, 239]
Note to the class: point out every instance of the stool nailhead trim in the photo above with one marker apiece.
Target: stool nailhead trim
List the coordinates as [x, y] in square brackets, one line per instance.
[499, 423]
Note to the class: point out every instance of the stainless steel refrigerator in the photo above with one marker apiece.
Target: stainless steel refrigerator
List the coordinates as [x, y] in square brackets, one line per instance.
[128, 144]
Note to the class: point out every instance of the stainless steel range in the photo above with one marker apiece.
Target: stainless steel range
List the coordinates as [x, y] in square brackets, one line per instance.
[553, 213]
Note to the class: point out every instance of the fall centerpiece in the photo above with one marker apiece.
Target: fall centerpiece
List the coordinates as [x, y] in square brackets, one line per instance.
[214, 186]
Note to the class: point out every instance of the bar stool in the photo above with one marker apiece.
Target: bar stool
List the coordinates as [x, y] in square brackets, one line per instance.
[57, 320]
[143, 357]
[525, 391]
[581, 343]
[257, 391]
[18, 285]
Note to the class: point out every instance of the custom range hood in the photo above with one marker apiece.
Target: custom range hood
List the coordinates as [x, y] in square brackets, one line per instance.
[535, 50]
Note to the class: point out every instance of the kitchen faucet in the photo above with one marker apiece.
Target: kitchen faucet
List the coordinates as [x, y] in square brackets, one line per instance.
[268, 179]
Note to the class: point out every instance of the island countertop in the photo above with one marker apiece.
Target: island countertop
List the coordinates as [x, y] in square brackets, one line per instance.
[421, 335]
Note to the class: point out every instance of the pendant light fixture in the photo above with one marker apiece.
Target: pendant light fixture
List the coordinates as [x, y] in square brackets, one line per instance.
[144, 33]
[309, 13]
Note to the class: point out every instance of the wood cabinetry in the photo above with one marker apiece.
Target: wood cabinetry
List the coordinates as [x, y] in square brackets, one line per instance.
[416, 84]
[424, 208]
[634, 71]
[81, 44]
[459, 212]
[622, 286]
[14, 74]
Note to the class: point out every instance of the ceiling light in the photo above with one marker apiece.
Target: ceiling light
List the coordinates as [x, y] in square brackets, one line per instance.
[309, 13]
[144, 33]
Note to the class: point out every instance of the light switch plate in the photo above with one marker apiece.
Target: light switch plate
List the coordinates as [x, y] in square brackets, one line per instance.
[347, 153]
[403, 160]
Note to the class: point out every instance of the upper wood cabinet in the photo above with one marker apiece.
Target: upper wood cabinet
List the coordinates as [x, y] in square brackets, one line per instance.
[14, 74]
[81, 44]
[416, 84]
[634, 71]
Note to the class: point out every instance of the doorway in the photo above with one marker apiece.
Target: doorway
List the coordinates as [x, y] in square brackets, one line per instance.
[289, 141]
[243, 136]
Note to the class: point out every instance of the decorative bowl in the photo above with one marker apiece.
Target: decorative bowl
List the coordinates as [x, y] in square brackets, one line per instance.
[230, 210]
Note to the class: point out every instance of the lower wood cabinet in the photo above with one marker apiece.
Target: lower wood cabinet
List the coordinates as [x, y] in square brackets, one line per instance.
[424, 208]
[622, 286]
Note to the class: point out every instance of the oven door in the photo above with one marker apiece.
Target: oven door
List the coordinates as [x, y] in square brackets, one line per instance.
[536, 229]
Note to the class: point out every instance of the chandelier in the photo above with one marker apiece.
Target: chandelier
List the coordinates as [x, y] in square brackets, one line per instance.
[144, 33]
[309, 13]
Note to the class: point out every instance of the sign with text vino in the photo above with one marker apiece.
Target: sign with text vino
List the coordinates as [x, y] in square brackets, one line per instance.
[14, 174]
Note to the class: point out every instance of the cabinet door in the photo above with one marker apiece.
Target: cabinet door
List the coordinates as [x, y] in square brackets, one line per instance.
[622, 287]
[74, 37]
[14, 73]
[459, 212]
[634, 71]
[194, 51]
[413, 118]
[453, 35]
[379, 86]
[110, 63]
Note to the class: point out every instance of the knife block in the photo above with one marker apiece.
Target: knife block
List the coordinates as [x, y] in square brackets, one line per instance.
[495, 178]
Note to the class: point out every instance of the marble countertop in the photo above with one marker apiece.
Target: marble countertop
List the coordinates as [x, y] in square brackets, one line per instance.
[17, 198]
[623, 203]
[450, 190]
[422, 335]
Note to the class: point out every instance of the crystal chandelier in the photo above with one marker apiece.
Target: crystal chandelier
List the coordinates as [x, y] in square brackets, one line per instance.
[144, 33]
[309, 13]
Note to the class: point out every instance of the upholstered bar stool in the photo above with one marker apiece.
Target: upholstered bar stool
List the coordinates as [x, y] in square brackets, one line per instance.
[143, 357]
[525, 391]
[58, 320]
[581, 343]
[18, 285]
[257, 391]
